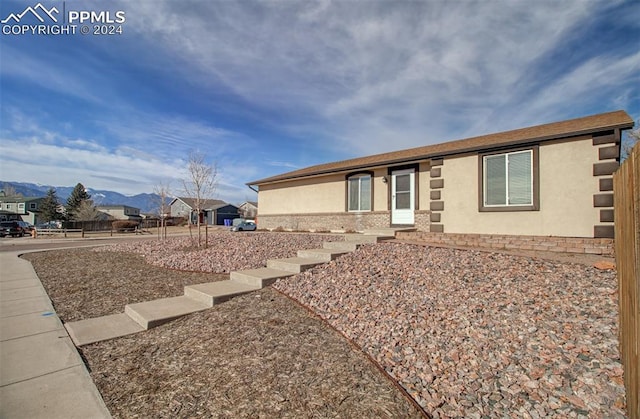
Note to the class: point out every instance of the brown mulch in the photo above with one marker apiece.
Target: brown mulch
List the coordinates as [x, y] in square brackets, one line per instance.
[259, 355]
[83, 283]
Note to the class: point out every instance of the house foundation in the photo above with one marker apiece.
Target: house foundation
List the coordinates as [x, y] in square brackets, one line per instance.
[598, 246]
[337, 221]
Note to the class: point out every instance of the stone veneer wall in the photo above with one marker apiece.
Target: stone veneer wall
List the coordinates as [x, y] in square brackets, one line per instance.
[422, 220]
[600, 246]
[338, 221]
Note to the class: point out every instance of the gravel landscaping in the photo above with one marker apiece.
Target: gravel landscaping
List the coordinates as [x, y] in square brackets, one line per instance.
[226, 251]
[470, 333]
[464, 333]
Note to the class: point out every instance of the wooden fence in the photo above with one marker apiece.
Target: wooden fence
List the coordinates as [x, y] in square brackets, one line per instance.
[626, 187]
[104, 225]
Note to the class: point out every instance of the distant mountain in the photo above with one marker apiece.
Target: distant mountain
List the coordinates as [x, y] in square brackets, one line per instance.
[148, 203]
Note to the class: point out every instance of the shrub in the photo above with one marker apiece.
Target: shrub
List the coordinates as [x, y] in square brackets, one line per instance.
[121, 225]
[176, 221]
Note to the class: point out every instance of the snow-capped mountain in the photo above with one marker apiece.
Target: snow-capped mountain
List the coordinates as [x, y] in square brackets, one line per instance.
[148, 203]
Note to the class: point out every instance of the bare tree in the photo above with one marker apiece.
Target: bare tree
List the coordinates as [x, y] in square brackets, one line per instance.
[200, 184]
[632, 137]
[86, 211]
[163, 190]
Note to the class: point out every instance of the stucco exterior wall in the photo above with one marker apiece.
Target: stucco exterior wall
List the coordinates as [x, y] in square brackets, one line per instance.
[566, 184]
[423, 186]
[304, 196]
[317, 195]
[380, 191]
[320, 204]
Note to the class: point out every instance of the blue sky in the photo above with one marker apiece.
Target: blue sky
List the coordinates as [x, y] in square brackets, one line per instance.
[265, 87]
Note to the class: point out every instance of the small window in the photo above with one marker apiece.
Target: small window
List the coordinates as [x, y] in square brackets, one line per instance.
[509, 181]
[359, 194]
[32, 205]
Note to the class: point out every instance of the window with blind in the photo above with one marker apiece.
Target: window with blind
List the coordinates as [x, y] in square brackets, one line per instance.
[509, 181]
[359, 193]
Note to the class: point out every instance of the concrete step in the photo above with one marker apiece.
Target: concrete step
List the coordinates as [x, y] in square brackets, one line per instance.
[84, 332]
[367, 238]
[212, 293]
[262, 277]
[349, 246]
[154, 313]
[324, 255]
[387, 231]
[295, 265]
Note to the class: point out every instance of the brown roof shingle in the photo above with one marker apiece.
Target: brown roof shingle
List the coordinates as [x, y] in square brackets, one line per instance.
[555, 130]
[204, 203]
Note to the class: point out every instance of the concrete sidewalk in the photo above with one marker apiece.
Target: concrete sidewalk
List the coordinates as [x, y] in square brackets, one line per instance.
[41, 372]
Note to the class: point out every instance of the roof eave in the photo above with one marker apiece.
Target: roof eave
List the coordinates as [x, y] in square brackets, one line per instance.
[427, 156]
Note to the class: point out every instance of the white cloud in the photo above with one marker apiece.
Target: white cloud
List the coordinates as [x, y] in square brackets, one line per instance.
[373, 78]
[128, 168]
[324, 75]
[173, 136]
[63, 165]
[590, 77]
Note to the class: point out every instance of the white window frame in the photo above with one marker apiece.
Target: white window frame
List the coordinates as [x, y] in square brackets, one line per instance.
[359, 177]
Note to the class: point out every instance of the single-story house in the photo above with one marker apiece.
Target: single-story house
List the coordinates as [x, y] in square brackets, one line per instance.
[213, 211]
[547, 180]
[120, 212]
[248, 209]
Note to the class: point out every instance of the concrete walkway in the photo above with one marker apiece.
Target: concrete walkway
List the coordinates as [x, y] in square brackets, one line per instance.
[41, 373]
[142, 316]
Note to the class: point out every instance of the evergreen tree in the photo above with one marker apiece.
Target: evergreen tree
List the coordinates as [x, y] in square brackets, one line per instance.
[75, 200]
[49, 207]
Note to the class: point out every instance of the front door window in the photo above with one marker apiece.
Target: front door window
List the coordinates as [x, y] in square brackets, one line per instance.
[402, 197]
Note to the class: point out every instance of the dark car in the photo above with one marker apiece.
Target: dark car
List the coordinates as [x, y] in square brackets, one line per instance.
[27, 227]
[11, 228]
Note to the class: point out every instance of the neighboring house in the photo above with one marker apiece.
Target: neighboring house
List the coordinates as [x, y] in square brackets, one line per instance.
[213, 211]
[120, 212]
[20, 208]
[547, 180]
[248, 209]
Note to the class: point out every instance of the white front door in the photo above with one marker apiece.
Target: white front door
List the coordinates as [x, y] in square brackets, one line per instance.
[402, 197]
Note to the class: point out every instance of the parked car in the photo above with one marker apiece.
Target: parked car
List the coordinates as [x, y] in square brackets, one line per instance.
[27, 227]
[49, 225]
[240, 224]
[11, 228]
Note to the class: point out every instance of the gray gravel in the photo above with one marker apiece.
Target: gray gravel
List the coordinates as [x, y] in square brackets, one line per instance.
[475, 334]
